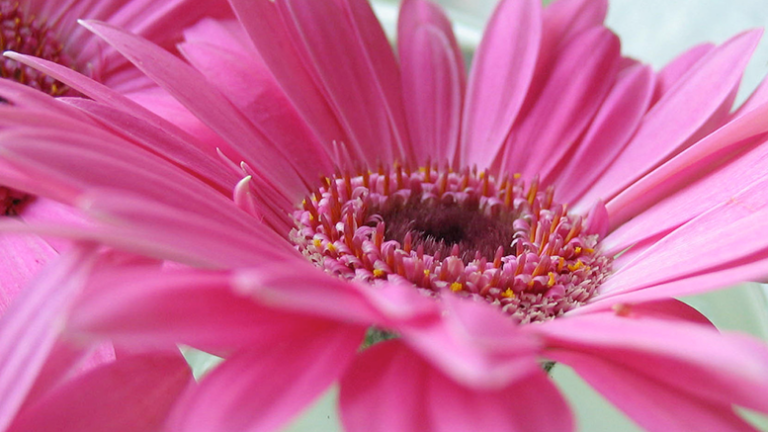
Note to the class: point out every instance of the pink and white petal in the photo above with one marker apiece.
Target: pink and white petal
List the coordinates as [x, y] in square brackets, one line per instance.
[30, 327]
[710, 171]
[21, 257]
[361, 96]
[669, 76]
[264, 25]
[679, 115]
[473, 343]
[389, 388]
[580, 81]
[192, 90]
[610, 130]
[262, 389]
[651, 404]
[144, 308]
[133, 393]
[734, 230]
[433, 80]
[250, 87]
[502, 70]
[696, 360]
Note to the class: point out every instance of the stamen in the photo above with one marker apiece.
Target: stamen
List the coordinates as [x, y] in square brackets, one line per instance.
[458, 232]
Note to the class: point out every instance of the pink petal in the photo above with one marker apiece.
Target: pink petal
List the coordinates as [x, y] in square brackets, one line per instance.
[473, 343]
[613, 125]
[31, 325]
[255, 92]
[501, 72]
[677, 68]
[690, 358]
[21, 256]
[363, 90]
[733, 230]
[388, 388]
[653, 406]
[270, 36]
[682, 111]
[260, 390]
[191, 89]
[134, 393]
[577, 86]
[700, 175]
[433, 80]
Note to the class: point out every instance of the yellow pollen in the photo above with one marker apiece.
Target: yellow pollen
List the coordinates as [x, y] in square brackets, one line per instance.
[517, 176]
[560, 264]
[508, 293]
[456, 286]
[577, 250]
[317, 243]
[379, 273]
[589, 250]
[551, 281]
[332, 248]
[577, 266]
[426, 272]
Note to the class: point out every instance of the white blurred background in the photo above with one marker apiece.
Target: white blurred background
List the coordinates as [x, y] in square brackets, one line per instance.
[653, 31]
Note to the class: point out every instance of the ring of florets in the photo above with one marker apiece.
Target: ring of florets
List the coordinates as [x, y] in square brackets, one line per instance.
[463, 231]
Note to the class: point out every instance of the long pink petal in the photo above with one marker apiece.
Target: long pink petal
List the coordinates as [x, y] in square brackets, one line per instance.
[134, 393]
[30, 327]
[733, 230]
[682, 111]
[611, 129]
[255, 92]
[688, 357]
[388, 388]
[474, 344]
[191, 89]
[261, 389]
[21, 257]
[433, 80]
[501, 72]
[706, 161]
[264, 25]
[669, 76]
[651, 405]
[567, 103]
[361, 96]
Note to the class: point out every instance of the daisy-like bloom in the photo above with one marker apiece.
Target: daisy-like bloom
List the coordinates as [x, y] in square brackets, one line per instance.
[48, 29]
[545, 209]
[50, 383]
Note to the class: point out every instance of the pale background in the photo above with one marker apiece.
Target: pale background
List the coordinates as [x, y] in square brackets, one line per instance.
[654, 31]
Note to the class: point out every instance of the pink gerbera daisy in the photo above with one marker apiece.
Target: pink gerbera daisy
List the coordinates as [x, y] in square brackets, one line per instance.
[544, 210]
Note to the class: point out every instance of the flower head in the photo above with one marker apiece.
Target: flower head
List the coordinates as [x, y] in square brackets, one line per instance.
[465, 217]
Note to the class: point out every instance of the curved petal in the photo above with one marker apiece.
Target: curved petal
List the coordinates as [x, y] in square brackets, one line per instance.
[260, 390]
[613, 125]
[191, 89]
[31, 326]
[677, 68]
[687, 358]
[21, 257]
[682, 111]
[501, 72]
[433, 80]
[389, 388]
[133, 393]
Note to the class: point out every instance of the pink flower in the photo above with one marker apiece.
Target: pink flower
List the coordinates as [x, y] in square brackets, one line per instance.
[317, 107]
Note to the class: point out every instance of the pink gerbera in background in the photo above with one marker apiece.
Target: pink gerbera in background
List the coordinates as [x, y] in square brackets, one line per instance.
[545, 209]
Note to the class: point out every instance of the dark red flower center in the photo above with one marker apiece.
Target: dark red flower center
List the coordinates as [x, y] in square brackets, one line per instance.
[25, 34]
[462, 232]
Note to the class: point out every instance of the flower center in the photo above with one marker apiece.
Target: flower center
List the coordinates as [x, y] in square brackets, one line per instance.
[462, 232]
[26, 35]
